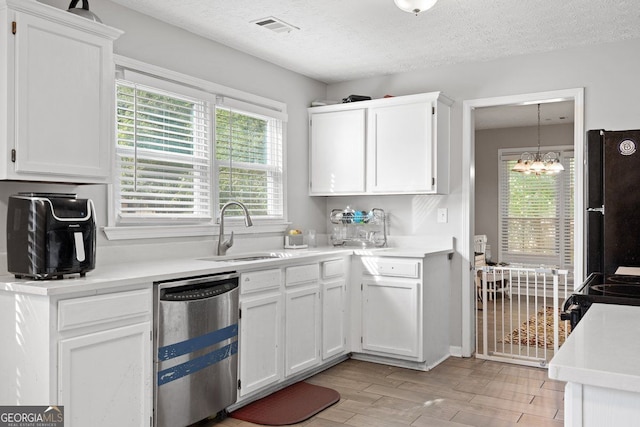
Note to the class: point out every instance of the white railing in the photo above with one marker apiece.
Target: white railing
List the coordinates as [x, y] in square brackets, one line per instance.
[518, 314]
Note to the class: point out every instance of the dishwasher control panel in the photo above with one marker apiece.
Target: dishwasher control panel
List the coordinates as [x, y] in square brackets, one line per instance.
[195, 292]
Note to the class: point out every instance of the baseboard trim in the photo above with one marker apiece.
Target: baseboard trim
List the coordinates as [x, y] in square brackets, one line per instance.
[455, 351]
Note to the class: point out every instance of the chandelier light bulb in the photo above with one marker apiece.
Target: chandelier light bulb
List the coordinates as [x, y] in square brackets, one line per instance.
[538, 163]
[415, 6]
[537, 166]
[520, 166]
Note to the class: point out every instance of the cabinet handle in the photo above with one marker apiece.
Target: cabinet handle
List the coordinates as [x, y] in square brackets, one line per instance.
[13, 155]
[14, 27]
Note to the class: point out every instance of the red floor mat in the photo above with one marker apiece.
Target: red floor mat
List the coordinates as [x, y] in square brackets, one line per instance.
[290, 405]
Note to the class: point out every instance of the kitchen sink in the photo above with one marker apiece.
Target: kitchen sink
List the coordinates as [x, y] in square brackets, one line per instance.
[247, 257]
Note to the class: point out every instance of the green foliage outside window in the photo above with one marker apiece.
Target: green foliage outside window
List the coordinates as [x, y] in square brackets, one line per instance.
[159, 175]
[164, 162]
[242, 152]
[537, 217]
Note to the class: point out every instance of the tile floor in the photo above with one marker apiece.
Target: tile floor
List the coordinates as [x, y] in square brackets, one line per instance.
[458, 392]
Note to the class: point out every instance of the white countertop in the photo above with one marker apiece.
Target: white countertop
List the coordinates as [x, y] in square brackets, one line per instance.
[603, 350]
[127, 274]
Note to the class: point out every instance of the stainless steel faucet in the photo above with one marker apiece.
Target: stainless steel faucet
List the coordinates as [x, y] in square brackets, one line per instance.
[223, 245]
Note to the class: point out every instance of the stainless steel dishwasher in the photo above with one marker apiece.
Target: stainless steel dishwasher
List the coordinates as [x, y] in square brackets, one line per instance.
[196, 346]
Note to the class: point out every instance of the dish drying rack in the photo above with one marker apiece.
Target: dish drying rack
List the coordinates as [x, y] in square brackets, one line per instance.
[359, 228]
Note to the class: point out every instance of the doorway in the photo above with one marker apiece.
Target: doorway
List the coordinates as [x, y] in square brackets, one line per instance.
[469, 188]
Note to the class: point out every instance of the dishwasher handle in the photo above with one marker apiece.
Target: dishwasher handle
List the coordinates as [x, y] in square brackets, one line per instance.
[197, 292]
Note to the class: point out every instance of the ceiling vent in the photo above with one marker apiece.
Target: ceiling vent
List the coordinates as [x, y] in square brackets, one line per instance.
[274, 24]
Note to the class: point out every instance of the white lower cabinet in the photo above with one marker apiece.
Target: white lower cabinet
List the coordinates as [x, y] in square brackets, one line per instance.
[334, 303]
[392, 317]
[88, 352]
[302, 318]
[104, 377]
[292, 320]
[334, 339]
[261, 339]
[260, 342]
[105, 359]
[401, 311]
[302, 340]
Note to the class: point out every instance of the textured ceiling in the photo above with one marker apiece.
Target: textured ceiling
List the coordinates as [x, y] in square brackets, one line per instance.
[341, 40]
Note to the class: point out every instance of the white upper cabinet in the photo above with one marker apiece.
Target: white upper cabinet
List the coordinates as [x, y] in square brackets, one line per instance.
[403, 150]
[59, 87]
[337, 152]
[401, 157]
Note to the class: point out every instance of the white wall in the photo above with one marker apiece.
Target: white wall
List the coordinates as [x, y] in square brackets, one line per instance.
[607, 72]
[155, 42]
[488, 142]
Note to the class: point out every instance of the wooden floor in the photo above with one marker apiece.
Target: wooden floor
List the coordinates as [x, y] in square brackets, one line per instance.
[458, 392]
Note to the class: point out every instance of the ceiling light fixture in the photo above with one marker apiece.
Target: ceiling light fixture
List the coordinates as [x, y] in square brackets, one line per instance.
[538, 164]
[415, 6]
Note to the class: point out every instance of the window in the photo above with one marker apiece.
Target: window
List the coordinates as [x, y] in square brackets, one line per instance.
[163, 155]
[183, 152]
[536, 213]
[249, 161]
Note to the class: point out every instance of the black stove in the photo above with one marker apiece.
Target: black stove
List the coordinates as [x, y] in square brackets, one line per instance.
[603, 289]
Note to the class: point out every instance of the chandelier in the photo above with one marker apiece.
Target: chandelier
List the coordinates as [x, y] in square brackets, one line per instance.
[538, 163]
[415, 6]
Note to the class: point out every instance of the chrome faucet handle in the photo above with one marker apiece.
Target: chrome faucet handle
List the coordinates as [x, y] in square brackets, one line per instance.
[225, 244]
[229, 242]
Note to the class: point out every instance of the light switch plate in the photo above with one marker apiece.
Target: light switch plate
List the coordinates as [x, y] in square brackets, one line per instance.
[443, 215]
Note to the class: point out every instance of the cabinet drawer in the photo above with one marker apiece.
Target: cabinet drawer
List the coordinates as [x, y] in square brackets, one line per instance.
[78, 312]
[256, 281]
[333, 268]
[392, 267]
[301, 274]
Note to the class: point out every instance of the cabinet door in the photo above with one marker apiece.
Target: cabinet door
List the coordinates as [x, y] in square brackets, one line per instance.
[337, 152]
[334, 339]
[104, 378]
[260, 349]
[64, 96]
[391, 316]
[302, 329]
[401, 158]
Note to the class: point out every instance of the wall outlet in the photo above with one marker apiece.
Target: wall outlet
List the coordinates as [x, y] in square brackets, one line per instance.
[443, 215]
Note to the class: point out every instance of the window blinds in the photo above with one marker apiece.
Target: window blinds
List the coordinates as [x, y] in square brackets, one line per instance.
[249, 161]
[536, 215]
[167, 134]
[163, 154]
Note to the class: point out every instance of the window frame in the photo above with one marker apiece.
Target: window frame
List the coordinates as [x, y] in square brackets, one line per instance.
[157, 86]
[116, 230]
[257, 112]
[565, 214]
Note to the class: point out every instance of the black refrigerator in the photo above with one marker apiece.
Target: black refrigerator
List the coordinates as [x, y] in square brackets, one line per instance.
[613, 223]
[613, 200]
